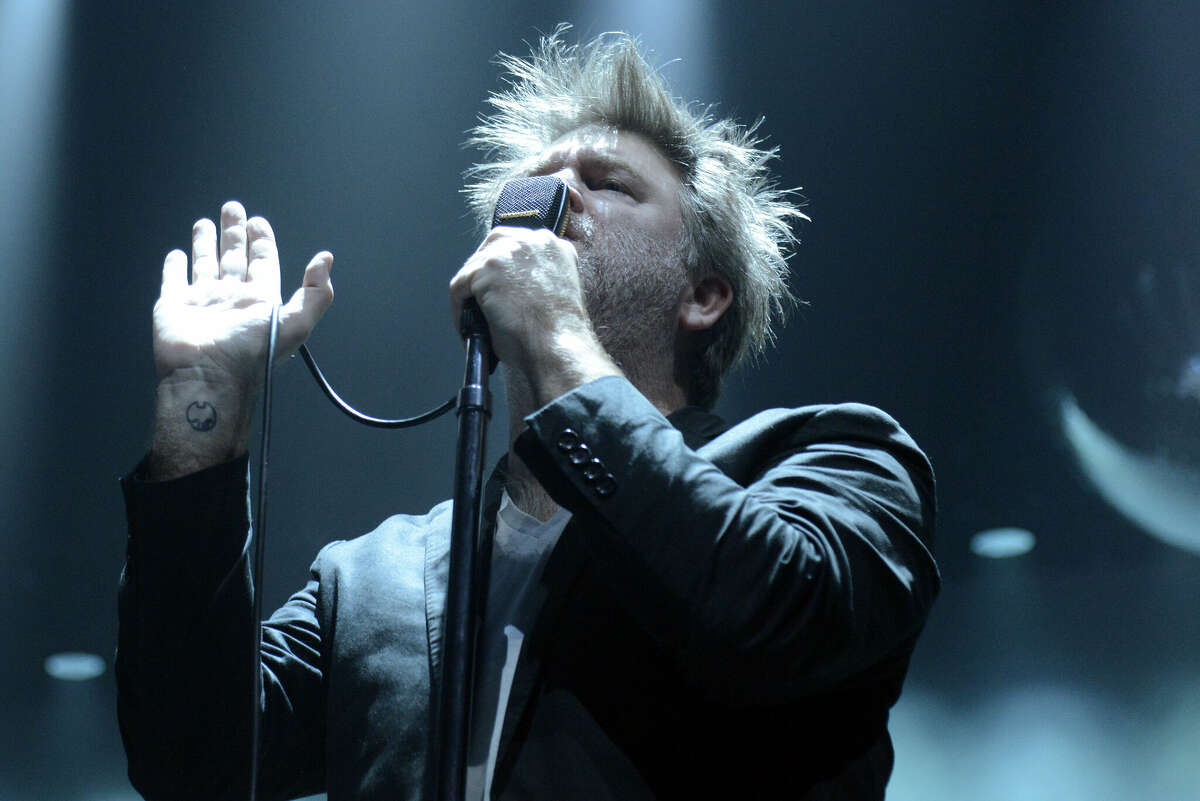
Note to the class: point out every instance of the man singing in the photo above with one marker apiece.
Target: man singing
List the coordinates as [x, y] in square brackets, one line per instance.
[678, 609]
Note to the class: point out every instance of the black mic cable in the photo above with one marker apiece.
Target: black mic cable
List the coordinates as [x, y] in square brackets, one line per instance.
[256, 575]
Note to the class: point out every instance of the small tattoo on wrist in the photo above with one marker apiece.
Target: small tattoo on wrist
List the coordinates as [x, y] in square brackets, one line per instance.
[202, 415]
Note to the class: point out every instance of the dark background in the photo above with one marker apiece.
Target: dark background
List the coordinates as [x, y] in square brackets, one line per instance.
[1004, 204]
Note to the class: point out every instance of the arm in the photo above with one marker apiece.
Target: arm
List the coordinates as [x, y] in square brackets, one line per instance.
[183, 657]
[808, 570]
[781, 559]
[184, 650]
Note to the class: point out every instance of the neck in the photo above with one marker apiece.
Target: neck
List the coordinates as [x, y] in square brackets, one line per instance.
[522, 486]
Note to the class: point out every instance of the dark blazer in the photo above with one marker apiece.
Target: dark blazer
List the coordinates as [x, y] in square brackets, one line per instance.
[733, 620]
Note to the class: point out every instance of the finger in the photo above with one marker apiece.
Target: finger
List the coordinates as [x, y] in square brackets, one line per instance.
[300, 315]
[174, 274]
[204, 251]
[460, 288]
[316, 274]
[503, 232]
[263, 263]
[491, 236]
[233, 241]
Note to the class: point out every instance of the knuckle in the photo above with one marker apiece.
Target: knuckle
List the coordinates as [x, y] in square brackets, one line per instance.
[262, 248]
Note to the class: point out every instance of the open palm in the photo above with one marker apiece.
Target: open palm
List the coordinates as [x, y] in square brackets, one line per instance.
[216, 325]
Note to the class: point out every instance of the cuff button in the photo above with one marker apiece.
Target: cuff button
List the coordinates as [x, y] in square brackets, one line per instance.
[568, 440]
[606, 485]
[594, 470]
[580, 454]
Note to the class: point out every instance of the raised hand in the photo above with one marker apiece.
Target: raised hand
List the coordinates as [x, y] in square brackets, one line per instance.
[210, 337]
[217, 324]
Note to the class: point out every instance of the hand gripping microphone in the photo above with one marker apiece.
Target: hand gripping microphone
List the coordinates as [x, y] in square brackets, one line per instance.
[537, 202]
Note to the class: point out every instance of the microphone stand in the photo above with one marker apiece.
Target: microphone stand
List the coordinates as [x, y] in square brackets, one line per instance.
[467, 572]
[535, 202]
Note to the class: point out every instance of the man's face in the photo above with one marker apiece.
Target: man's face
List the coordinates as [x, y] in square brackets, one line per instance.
[627, 228]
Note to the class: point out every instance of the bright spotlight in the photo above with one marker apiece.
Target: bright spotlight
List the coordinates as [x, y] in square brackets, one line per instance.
[1002, 543]
[74, 666]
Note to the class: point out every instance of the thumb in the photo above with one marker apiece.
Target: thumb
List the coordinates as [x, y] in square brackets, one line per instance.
[300, 315]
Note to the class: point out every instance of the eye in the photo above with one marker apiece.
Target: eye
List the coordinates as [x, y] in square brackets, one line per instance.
[612, 185]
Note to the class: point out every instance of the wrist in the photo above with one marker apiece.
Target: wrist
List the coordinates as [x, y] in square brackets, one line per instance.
[573, 358]
[200, 421]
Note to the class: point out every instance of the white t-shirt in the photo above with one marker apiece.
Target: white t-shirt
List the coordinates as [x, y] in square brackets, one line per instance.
[520, 548]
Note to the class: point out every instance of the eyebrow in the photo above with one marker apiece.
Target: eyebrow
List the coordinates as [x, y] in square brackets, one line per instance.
[603, 160]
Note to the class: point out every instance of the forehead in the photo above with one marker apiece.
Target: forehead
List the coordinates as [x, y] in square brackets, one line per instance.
[609, 146]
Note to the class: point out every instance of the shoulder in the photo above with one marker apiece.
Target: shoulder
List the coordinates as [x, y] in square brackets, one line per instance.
[766, 438]
[821, 421]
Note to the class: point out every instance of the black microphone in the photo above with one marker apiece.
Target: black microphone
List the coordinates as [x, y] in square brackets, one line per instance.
[537, 202]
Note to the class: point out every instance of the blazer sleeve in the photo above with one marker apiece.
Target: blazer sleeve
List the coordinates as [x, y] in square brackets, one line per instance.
[183, 664]
[799, 566]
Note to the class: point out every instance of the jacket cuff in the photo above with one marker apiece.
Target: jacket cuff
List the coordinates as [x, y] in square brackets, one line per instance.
[192, 529]
[585, 446]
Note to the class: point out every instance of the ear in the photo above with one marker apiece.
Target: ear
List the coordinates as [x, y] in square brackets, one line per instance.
[704, 303]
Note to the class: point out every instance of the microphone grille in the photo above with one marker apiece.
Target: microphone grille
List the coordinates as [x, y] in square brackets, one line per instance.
[537, 202]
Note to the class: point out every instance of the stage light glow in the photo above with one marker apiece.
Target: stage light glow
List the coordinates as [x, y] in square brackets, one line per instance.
[680, 31]
[74, 666]
[31, 56]
[1188, 384]
[1003, 543]
[1162, 498]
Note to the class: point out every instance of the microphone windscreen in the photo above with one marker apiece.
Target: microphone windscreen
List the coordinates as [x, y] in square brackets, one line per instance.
[537, 202]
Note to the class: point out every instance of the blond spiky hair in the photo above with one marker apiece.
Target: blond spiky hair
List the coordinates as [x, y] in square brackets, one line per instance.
[739, 225]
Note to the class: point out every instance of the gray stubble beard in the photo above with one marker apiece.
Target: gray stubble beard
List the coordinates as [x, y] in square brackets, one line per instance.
[632, 285]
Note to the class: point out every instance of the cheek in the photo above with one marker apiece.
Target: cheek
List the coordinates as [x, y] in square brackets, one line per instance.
[667, 226]
[646, 224]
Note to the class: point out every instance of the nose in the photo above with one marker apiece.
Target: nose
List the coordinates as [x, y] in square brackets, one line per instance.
[574, 196]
